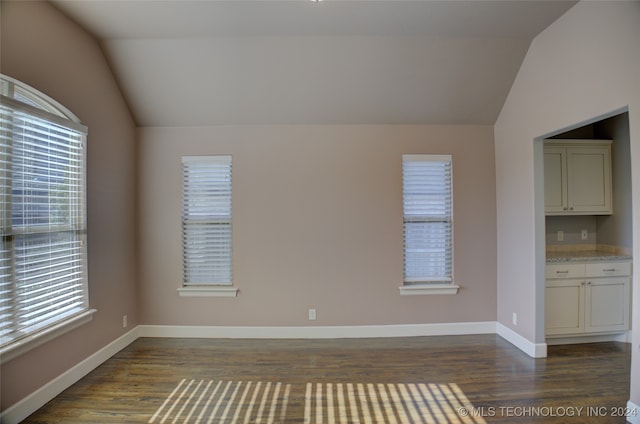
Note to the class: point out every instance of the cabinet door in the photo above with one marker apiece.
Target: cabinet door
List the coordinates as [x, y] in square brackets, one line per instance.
[589, 180]
[564, 303]
[555, 177]
[607, 305]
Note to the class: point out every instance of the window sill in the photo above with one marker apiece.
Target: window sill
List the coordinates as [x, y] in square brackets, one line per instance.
[428, 289]
[24, 345]
[208, 291]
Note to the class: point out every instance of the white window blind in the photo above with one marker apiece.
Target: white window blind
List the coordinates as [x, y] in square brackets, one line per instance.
[43, 275]
[428, 219]
[206, 220]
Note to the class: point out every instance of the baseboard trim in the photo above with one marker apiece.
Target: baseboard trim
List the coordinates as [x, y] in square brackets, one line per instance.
[622, 338]
[535, 350]
[634, 413]
[318, 332]
[27, 406]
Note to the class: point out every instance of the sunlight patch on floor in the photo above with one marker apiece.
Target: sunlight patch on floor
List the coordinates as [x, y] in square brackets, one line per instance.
[224, 402]
[202, 401]
[387, 403]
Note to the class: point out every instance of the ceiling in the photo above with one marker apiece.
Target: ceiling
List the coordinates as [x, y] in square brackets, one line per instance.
[235, 62]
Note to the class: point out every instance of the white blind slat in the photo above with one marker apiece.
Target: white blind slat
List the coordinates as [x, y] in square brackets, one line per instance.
[206, 220]
[428, 218]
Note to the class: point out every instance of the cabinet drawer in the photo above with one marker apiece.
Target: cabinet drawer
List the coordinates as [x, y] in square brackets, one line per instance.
[608, 269]
[565, 270]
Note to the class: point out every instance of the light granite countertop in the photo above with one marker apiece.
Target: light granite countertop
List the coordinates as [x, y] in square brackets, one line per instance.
[584, 255]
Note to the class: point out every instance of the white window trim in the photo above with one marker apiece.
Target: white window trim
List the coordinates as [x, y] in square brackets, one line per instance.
[49, 109]
[426, 288]
[24, 345]
[207, 291]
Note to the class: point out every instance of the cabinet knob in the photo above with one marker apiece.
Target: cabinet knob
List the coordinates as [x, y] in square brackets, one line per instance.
[571, 208]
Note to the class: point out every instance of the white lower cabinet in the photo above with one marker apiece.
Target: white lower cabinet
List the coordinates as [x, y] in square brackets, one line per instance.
[564, 307]
[607, 305]
[583, 299]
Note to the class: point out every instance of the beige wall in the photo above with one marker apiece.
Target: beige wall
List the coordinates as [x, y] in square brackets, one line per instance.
[317, 224]
[616, 229]
[584, 66]
[47, 51]
[317, 211]
[317, 215]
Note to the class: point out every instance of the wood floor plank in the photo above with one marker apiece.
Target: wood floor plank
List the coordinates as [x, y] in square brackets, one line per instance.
[365, 380]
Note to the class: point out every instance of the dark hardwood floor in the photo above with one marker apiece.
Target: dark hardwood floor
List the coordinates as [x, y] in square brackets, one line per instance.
[403, 380]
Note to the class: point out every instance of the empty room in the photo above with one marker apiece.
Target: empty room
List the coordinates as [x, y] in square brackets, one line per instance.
[334, 211]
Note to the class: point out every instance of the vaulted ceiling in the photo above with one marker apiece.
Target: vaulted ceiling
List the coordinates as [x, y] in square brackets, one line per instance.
[213, 62]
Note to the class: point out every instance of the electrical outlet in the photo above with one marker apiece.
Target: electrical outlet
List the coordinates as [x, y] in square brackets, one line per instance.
[124, 321]
[312, 314]
[514, 319]
[584, 234]
[560, 235]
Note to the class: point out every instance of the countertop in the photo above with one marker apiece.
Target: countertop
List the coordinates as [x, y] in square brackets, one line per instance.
[597, 255]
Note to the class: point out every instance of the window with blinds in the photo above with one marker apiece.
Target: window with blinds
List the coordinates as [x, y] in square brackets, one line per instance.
[206, 220]
[43, 271]
[428, 219]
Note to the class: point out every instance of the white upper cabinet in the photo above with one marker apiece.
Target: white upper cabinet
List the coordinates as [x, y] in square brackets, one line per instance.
[577, 177]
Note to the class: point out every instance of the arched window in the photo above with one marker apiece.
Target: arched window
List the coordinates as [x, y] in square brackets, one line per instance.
[43, 260]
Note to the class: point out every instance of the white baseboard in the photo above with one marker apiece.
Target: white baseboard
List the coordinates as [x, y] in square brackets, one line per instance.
[318, 332]
[27, 406]
[634, 413]
[535, 350]
[626, 337]
[621, 337]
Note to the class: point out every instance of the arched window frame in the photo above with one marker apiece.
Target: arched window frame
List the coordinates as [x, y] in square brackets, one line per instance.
[43, 256]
